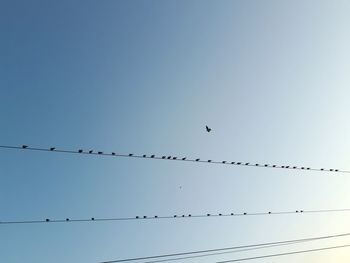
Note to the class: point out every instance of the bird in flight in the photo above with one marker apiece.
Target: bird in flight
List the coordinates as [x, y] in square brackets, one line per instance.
[207, 128]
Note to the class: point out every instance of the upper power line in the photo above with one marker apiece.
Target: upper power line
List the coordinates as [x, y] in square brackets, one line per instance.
[176, 216]
[173, 158]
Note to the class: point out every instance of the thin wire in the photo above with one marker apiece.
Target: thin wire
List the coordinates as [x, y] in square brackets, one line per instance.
[284, 254]
[227, 252]
[173, 158]
[227, 248]
[183, 216]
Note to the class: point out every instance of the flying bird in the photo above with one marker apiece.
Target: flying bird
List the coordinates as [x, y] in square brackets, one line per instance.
[207, 128]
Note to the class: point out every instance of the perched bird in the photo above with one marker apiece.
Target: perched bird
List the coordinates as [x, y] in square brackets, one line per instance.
[24, 146]
[90, 151]
[52, 148]
[207, 128]
[80, 151]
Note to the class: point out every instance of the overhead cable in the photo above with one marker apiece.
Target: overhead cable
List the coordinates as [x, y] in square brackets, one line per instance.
[234, 248]
[284, 254]
[173, 158]
[175, 216]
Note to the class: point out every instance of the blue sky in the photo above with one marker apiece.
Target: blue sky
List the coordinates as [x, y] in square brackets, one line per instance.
[270, 77]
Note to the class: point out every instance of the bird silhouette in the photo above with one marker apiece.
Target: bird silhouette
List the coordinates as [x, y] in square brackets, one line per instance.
[207, 128]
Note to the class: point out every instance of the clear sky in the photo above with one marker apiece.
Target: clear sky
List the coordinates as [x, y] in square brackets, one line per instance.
[270, 77]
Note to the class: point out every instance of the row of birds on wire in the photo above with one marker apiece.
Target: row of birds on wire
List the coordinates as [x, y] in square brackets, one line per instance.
[175, 158]
[47, 220]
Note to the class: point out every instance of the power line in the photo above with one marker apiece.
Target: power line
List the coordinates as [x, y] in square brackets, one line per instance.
[226, 248]
[175, 217]
[223, 253]
[284, 254]
[173, 158]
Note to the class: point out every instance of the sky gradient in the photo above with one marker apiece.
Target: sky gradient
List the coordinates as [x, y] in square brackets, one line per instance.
[271, 78]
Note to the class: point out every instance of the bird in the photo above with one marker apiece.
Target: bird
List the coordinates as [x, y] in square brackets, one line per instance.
[24, 146]
[52, 148]
[207, 128]
[80, 150]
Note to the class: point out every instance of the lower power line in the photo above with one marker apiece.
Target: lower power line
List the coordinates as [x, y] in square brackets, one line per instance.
[259, 245]
[284, 254]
